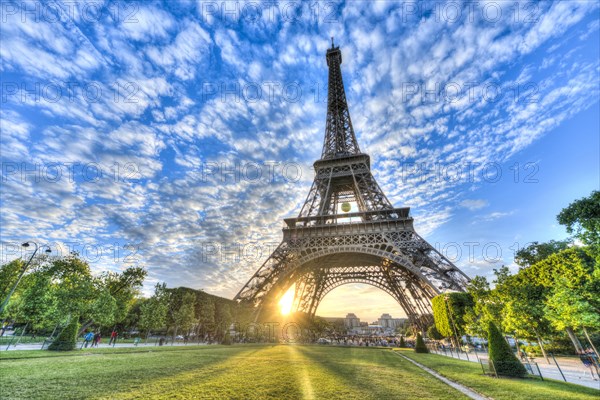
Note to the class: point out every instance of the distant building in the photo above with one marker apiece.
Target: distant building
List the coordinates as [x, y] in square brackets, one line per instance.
[351, 321]
[389, 324]
[386, 324]
[375, 329]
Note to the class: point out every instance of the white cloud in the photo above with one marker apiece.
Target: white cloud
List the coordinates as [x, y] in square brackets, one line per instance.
[473, 204]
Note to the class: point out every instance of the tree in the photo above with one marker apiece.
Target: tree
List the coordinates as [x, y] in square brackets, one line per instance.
[449, 311]
[582, 217]
[420, 345]
[523, 307]
[536, 252]
[154, 311]
[206, 316]
[135, 311]
[502, 360]
[122, 287]
[567, 308]
[184, 315]
[36, 304]
[222, 319]
[574, 268]
[73, 285]
[67, 339]
[524, 316]
[103, 309]
[9, 273]
[475, 317]
[58, 289]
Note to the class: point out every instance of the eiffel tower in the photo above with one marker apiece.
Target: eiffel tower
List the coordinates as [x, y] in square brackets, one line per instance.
[349, 232]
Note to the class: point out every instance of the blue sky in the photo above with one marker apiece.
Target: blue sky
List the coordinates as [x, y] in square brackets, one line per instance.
[178, 135]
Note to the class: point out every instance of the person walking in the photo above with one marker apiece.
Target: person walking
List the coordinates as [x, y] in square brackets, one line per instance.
[88, 338]
[113, 338]
[97, 339]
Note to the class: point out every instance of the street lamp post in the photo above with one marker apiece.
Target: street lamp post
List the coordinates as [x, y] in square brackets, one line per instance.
[23, 270]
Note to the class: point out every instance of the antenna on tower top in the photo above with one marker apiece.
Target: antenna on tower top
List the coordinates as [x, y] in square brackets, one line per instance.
[332, 46]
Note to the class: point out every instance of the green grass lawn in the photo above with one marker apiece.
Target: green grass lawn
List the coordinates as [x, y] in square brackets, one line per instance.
[252, 372]
[471, 375]
[217, 372]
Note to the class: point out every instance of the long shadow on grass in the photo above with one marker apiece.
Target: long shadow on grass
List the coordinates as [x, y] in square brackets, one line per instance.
[368, 371]
[218, 380]
[106, 374]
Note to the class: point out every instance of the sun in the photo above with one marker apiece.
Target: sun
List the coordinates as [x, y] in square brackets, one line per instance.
[287, 301]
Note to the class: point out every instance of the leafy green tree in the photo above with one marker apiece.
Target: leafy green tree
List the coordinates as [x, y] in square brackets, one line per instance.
[487, 307]
[449, 311]
[184, 315]
[154, 311]
[223, 319]
[122, 287]
[73, 285]
[420, 345]
[36, 304]
[522, 307]
[502, 359]
[567, 308]
[55, 289]
[536, 252]
[582, 217]
[133, 316]
[9, 273]
[206, 316]
[573, 268]
[320, 327]
[103, 308]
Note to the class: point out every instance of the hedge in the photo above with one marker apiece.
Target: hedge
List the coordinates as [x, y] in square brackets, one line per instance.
[67, 340]
[420, 345]
[502, 359]
[458, 303]
[402, 342]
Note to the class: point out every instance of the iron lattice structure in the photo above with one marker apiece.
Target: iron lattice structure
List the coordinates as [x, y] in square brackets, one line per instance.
[348, 232]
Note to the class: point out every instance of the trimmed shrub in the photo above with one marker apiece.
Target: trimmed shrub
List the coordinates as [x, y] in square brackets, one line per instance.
[402, 342]
[420, 345]
[67, 340]
[502, 359]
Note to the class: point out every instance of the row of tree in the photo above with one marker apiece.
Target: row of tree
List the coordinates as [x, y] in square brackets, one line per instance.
[189, 312]
[59, 290]
[554, 295]
[61, 294]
